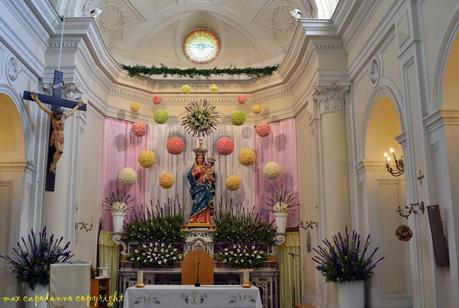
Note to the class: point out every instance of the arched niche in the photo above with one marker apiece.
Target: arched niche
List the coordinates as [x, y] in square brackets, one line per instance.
[450, 88]
[12, 145]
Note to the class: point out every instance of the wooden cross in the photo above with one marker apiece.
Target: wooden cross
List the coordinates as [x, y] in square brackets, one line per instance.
[56, 101]
[420, 177]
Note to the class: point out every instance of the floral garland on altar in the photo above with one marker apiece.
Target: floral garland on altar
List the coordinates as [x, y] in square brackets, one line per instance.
[242, 256]
[142, 70]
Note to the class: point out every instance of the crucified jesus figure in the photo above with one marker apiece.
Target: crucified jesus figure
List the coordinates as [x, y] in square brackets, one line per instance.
[57, 134]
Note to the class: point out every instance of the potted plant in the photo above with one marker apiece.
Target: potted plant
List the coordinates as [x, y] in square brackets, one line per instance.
[118, 202]
[245, 257]
[32, 262]
[281, 202]
[345, 262]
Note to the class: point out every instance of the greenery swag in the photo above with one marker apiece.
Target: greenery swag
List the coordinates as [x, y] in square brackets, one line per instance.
[141, 70]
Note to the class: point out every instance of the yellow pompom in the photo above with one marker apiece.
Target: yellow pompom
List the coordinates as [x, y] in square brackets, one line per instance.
[134, 107]
[186, 89]
[127, 176]
[147, 158]
[233, 182]
[166, 180]
[213, 88]
[247, 157]
[256, 108]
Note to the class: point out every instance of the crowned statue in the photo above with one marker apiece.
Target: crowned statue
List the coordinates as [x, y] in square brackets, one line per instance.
[202, 177]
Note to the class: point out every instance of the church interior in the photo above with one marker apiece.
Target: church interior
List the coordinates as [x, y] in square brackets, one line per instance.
[229, 153]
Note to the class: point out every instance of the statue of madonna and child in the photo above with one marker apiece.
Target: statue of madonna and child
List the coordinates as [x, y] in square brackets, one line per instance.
[202, 177]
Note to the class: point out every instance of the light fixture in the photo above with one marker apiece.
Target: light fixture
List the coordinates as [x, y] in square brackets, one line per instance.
[296, 13]
[95, 12]
[399, 167]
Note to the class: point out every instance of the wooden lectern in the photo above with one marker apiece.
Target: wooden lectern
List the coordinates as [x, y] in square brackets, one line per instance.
[198, 266]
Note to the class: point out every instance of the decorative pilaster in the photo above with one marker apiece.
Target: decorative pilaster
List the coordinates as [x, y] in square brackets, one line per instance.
[330, 98]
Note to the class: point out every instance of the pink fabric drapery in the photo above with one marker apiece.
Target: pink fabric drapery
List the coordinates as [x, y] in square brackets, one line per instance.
[121, 149]
[279, 146]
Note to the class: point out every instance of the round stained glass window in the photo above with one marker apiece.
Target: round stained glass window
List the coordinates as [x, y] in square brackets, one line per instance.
[201, 45]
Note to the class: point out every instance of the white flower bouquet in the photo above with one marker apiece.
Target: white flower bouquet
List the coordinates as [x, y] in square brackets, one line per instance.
[242, 255]
[155, 254]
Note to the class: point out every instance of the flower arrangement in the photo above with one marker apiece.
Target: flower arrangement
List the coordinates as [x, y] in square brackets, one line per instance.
[161, 116]
[166, 180]
[213, 88]
[344, 260]
[272, 170]
[34, 257]
[135, 106]
[404, 233]
[247, 157]
[127, 176]
[238, 117]
[282, 200]
[242, 255]
[156, 254]
[233, 182]
[225, 145]
[201, 119]
[147, 159]
[118, 201]
[241, 99]
[263, 129]
[256, 108]
[139, 129]
[156, 99]
[175, 145]
[186, 89]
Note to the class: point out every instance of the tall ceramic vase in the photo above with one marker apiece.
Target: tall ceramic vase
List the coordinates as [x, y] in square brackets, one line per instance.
[118, 221]
[351, 294]
[281, 222]
[36, 298]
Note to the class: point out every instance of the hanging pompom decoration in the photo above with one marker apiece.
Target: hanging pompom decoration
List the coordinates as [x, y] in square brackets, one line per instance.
[139, 129]
[127, 176]
[238, 117]
[156, 99]
[256, 108]
[241, 99]
[166, 180]
[213, 88]
[263, 129]
[186, 89]
[233, 182]
[134, 107]
[247, 157]
[147, 158]
[175, 145]
[272, 170]
[161, 116]
[225, 145]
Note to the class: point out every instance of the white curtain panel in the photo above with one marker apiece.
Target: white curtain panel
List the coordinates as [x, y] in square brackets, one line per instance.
[179, 165]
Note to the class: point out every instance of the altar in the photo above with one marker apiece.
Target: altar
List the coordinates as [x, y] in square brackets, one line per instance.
[177, 296]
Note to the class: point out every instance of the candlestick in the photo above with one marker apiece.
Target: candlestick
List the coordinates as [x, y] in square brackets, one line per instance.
[139, 279]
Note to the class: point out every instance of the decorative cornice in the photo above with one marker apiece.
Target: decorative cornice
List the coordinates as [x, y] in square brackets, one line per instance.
[327, 44]
[27, 166]
[402, 139]
[440, 118]
[330, 98]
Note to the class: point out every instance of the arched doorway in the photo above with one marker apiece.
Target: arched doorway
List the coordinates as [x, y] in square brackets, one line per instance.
[12, 165]
[383, 193]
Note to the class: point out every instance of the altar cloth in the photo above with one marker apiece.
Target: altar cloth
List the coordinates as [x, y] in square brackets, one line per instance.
[178, 296]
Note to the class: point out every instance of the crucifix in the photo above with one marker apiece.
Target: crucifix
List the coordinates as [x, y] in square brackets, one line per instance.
[420, 177]
[58, 117]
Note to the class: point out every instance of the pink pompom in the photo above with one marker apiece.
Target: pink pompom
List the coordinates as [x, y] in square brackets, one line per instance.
[225, 145]
[263, 129]
[241, 99]
[156, 99]
[139, 129]
[175, 145]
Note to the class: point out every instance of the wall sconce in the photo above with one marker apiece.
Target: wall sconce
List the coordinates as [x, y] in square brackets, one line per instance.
[309, 225]
[411, 209]
[399, 167]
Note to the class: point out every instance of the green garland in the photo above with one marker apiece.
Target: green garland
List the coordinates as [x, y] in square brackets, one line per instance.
[141, 70]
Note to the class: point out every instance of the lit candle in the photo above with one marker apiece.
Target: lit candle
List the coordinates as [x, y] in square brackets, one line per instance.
[385, 155]
[388, 159]
[139, 277]
[392, 150]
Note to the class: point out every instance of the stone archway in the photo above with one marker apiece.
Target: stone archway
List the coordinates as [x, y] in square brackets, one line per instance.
[381, 194]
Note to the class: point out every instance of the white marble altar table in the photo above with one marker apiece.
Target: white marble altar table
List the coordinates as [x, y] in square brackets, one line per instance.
[178, 296]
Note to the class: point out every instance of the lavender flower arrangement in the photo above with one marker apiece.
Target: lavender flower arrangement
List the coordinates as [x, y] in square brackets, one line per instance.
[344, 260]
[242, 255]
[35, 256]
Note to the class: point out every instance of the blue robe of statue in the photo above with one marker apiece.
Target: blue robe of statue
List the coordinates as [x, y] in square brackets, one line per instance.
[201, 193]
